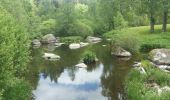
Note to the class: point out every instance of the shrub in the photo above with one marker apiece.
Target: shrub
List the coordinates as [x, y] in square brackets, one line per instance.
[21, 88]
[48, 26]
[71, 39]
[129, 43]
[148, 47]
[89, 57]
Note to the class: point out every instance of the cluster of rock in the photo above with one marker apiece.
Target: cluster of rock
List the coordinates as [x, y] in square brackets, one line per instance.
[47, 39]
[159, 89]
[161, 58]
[55, 41]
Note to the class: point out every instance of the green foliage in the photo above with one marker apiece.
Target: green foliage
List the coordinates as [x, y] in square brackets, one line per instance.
[149, 47]
[14, 54]
[71, 39]
[119, 21]
[141, 36]
[89, 57]
[20, 87]
[136, 87]
[48, 27]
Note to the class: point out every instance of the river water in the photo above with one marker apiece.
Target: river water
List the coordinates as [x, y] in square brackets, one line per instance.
[61, 80]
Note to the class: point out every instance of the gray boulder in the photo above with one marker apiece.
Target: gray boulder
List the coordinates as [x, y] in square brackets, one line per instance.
[49, 38]
[120, 52]
[160, 56]
[36, 42]
[93, 39]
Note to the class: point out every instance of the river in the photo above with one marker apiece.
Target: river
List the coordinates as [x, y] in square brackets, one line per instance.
[61, 80]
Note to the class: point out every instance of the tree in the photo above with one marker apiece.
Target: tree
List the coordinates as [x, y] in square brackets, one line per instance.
[166, 6]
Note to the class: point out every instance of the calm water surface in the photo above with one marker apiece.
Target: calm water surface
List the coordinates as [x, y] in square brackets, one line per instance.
[61, 80]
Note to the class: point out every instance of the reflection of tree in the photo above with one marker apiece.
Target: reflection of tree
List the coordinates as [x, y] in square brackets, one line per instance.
[112, 80]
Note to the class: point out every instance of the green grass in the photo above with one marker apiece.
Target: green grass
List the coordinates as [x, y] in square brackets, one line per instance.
[136, 84]
[142, 35]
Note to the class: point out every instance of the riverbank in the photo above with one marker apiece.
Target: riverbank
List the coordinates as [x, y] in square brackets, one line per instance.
[151, 85]
[140, 37]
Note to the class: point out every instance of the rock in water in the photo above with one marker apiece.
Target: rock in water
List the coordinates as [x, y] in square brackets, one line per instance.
[120, 52]
[93, 39]
[160, 56]
[36, 42]
[49, 38]
[50, 56]
[74, 46]
[81, 65]
[82, 44]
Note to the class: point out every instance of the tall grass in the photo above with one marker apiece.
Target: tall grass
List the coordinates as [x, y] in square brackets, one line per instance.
[137, 89]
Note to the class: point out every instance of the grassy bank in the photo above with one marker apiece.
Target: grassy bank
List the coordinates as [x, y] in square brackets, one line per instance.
[142, 86]
[141, 36]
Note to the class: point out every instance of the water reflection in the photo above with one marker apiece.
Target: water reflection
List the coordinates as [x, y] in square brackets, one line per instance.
[61, 80]
[85, 86]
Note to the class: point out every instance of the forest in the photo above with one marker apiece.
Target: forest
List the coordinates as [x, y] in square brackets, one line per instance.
[135, 25]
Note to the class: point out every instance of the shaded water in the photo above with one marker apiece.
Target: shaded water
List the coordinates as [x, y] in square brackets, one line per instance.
[61, 80]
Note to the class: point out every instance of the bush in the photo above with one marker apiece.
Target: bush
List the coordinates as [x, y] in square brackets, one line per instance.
[149, 47]
[71, 39]
[20, 90]
[81, 29]
[14, 55]
[129, 43]
[89, 57]
[48, 26]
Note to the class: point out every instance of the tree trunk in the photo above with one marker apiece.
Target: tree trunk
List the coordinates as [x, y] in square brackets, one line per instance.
[152, 23]
[164, 26]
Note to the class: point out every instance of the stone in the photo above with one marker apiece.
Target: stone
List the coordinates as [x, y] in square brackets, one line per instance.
[120, 52]
[74, 46]
[36, 42]
[137, 64]
[165, 68]
[81, 65]
[82, 44]
[59, 44]
[49, 38]
[93, 39]
[50, 56]
[160, 56]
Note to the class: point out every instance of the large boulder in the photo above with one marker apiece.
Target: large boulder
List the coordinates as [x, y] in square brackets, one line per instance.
[120, 52]
[160, 56]
[74, 46]
[50, 56]
[49, 38]
[93, 39]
